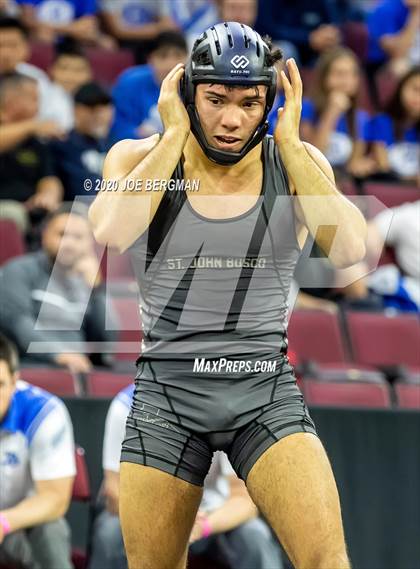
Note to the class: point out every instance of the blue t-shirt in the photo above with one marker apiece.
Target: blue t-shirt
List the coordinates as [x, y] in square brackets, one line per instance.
[76, 159]
[389, 17]
[272, 115]
[135, 95]
[403, 153]
[341, 144]
[61, 11]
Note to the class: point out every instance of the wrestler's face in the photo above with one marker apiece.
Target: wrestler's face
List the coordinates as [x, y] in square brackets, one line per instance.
[7, 387]
[66, 239]
[229, 115]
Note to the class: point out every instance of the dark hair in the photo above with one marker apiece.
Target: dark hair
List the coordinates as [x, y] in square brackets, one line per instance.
[395, 108]
[92, 94]
[319, 91]
[9, 353]
[12, 79]
[9, 23]
[67, 45]
[169, 39]
[274, 56]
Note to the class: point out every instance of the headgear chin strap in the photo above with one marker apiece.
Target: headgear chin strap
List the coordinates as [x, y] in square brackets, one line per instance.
[229, 54]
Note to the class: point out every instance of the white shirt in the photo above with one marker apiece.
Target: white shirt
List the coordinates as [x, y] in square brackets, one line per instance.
[400, 228]
[216, 484]
[36, 443]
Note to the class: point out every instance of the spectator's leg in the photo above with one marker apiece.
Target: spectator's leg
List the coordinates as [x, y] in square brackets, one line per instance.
[16, 548]
[251, 545]
[107, 543]
[51, 544]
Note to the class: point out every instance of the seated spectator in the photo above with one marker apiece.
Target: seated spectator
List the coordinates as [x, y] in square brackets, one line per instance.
[37, 470]
[331, 119]
[27, 178]
[305, 24]
[48, 19]
[137, 116]
[396, 133]
[14, 53]
[9, 8]
[399, 228]
[135, 24]
[81, 155]
[192, 17]
[53, 298]
[69, 71]
[394, 35]
[242, 540]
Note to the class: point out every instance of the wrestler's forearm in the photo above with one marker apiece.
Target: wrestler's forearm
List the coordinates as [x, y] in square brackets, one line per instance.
[337, 225]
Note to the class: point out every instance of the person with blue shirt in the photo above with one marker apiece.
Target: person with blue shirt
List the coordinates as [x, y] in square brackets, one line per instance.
[227, 527]
[37, 470]
[396, 133]
[394, 35]
[331, 119]
[81, 155]
[51, 18]
[136, 92]
[135, 24]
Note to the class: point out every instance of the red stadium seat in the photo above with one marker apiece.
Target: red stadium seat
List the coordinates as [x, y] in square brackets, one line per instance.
[391, 195]
[58, 381]
[408, 395]
[42, 55]
[355, 35]
[347, 393]
[107, 65]
[382, 340]
[127, 310]
[11, 241]
[386, 84]
[81, 486]
[315, 335]
[106, 384]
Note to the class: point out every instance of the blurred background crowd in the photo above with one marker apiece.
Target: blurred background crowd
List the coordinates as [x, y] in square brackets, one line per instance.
[77, 76]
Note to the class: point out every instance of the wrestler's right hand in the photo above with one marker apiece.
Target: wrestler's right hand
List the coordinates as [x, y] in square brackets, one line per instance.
[171, 109]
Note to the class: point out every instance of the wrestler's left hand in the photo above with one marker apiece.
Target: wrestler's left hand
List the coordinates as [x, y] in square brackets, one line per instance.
[288, 117]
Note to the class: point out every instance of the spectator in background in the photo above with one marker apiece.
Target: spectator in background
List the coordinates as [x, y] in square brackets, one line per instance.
[48, 19]
[55, 296]
[394, 35]
[9, 8]
[37, 470]
[396, 133]
[14, 53]
[136, 92]
[81, 155]
[136, 23]
[226, 524]
[69, 71]
[194, 16]
[306, 25]
[398, 227]
[27, 179]
[331, 119]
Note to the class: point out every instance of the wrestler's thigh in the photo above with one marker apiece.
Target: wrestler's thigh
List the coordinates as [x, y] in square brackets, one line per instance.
[293, 485]
[157, 512]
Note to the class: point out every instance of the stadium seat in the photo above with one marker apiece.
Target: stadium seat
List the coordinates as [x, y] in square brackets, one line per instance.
[127, 310]
[107, 65]
[386, 84]
[408, 395]
[58, 381]
[11, 241]
[106, 384]
[347, 393]
[391, 195]
[382, 340]
[355, 35]
[42, 55]
[315, 335]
